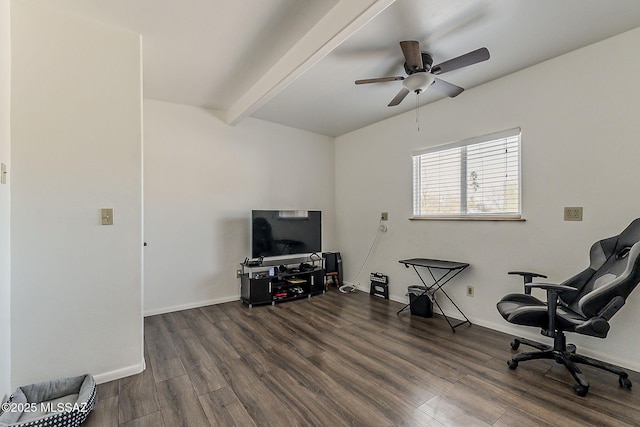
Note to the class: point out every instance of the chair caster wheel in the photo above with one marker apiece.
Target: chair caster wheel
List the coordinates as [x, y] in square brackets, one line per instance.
[624, 382]
[512, 364]
[515, 345]
[580, 390]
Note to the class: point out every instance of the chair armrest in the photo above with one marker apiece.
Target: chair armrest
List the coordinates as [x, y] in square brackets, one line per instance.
[527, 276]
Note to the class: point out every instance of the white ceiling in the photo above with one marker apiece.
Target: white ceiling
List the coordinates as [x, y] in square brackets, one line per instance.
[294, 62]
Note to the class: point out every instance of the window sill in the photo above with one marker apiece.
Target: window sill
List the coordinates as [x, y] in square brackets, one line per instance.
[465, 218]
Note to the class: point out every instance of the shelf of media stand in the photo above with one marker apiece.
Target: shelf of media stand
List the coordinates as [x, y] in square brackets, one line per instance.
[260, 289]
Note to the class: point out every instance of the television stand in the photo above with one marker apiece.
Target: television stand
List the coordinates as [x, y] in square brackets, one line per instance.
[281, 280]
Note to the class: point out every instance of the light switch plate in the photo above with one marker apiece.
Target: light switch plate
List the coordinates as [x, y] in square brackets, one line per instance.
[3, 173]
[107, 216]
[573, 213]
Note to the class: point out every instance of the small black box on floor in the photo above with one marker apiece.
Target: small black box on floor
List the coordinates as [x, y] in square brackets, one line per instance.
[420, 302]
[379, 285]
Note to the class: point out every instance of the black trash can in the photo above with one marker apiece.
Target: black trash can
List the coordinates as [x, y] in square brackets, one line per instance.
[420, 301]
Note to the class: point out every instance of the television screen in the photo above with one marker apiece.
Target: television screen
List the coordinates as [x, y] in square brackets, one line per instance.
[275, 233]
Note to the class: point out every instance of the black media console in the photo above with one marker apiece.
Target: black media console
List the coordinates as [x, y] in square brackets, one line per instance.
[281, 280]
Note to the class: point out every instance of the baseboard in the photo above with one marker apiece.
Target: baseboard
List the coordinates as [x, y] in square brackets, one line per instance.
[191, 305]
[119, 373]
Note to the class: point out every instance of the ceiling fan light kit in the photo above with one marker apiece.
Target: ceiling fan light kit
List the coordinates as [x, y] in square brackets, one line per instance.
[418, 82]
[421, 75]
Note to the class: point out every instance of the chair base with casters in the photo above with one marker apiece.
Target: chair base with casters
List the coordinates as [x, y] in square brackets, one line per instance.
[566, 355]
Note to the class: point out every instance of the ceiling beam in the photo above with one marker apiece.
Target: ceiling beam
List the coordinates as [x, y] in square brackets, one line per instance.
[343, 20]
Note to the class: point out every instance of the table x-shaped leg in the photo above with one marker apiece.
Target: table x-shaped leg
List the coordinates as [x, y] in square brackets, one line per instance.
[437, 286]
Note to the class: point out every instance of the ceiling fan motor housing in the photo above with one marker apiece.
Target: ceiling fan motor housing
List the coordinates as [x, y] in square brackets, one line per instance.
[427, 61]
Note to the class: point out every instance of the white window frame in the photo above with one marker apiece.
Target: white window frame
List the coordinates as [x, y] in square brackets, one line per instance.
[458, 150]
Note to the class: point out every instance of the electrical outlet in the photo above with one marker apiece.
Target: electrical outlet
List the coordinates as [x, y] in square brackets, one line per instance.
[470, 291]
[573, 213]
[106, 216]
[384, 216]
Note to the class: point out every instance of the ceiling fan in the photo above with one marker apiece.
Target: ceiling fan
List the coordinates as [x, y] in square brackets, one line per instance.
[421, 75]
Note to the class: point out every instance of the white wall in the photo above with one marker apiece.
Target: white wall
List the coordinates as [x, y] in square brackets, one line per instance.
[5, 201]
[580, 147]
[202, 178]
[76, 148]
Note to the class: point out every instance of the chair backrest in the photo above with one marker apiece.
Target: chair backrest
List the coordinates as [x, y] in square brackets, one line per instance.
[614, 271]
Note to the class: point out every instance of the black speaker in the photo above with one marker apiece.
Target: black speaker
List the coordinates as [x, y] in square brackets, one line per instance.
[333, 264]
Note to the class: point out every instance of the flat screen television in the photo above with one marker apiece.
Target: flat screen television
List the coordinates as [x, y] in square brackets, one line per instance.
[285, 232]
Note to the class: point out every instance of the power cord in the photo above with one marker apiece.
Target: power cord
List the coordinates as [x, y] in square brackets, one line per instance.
[351, 288]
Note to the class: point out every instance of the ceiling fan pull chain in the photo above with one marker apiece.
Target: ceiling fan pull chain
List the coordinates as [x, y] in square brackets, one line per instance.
[418, 111]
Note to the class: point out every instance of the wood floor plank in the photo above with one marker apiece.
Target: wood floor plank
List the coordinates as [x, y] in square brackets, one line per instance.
[158, 341]
[218, 348]
[151, 420]
[341, 399]
[205, 378]
[311, 407]
[346, 359]
[224, 409]
[179, 403]
[138, 396]
[510, 419]
[108, 389]
[542, 413]
[368, 388]
[175, 321]
[392, 380]
[190, 348]
[244, 342]
[213, 313]
[264, 407]
[289, 335]
[105, 413]
[449, 414]
[167, 368]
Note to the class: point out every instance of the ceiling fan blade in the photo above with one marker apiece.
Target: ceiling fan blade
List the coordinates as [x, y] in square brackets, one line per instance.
[465, 60]
[447, 88]
[378, 80]
[412, 54]
[399, 97]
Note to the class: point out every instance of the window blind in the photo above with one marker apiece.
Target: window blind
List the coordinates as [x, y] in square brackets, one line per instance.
[475, 177]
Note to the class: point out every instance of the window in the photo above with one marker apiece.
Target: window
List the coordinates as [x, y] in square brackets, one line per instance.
[475, 178]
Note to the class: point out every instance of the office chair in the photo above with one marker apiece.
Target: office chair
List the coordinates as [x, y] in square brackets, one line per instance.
[583, 304]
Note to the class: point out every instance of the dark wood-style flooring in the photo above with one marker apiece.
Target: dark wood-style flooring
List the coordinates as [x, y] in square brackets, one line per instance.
[345, 359]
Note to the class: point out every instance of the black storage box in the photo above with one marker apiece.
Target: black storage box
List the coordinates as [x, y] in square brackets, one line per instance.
[420, 302]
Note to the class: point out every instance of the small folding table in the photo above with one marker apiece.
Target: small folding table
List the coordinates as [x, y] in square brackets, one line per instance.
[448, 270]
